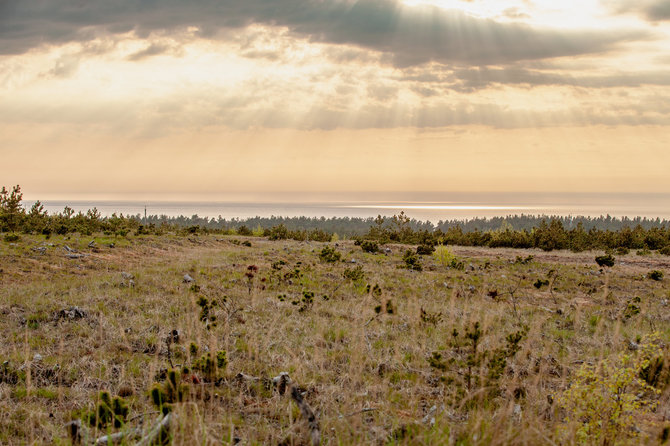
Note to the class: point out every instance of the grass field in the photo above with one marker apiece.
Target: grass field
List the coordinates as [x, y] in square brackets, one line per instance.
[500, 346]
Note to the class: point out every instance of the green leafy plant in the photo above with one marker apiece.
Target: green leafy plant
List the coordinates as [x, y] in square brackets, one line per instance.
[168, 393]
[108, 411]
[206, 312]
[210, 367]
[606, 401]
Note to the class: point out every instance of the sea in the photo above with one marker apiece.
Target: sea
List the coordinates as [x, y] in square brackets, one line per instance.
[434, 209]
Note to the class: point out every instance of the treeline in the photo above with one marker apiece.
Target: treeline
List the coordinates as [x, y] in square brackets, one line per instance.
[528, 222]
[524, 231]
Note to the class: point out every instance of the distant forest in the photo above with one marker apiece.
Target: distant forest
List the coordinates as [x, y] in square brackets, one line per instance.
[354, 226]
[518, 231]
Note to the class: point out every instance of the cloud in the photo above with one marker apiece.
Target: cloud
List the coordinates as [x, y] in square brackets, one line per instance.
[652, 10]
[411, 35]
[515, 13]
[472, 79]
[153, 49]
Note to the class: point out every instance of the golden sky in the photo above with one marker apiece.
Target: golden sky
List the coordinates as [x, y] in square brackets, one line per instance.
[209, 99]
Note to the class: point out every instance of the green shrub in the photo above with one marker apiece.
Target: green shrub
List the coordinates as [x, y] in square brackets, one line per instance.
[425, 250]
[665, 250]
[605, 402]
[655, 275]
[108, 411]
[243, 230]
[318, 235]
[539, 283]
[443, 255]
[170, 392]
[412, 260]
[606, 260]
[11, 237]
[330, 255]
[354, 274]
[369, 246]
[278, 232]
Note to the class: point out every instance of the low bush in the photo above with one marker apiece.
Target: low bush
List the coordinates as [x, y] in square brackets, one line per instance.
[655, 275]
[606, 260]
[330, 255]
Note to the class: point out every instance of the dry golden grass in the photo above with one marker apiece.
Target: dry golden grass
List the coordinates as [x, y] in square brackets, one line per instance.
[367, 376]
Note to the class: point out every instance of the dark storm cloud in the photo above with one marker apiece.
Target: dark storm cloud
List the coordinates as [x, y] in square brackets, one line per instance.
[652, 10]
[411, 35]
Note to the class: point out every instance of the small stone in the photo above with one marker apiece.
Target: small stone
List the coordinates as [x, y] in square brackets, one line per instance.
[632, 346]
[127, 276]
[188, 279]
[37, 357]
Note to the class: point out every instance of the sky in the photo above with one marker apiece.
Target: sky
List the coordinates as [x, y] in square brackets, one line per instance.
[207, 99]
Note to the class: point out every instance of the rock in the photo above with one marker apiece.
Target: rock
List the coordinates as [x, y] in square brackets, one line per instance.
[353, 260]
[68, 249]
[37, 357]
[471, 288]
[632, 346]
[188, 279]
[75, 256]
[91, 244]
[42, 250]
[127, 276]
[72, 313]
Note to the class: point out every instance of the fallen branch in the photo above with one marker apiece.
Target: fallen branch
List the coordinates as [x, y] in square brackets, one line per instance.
[161, 426]
[75, 432]
[312, 422]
